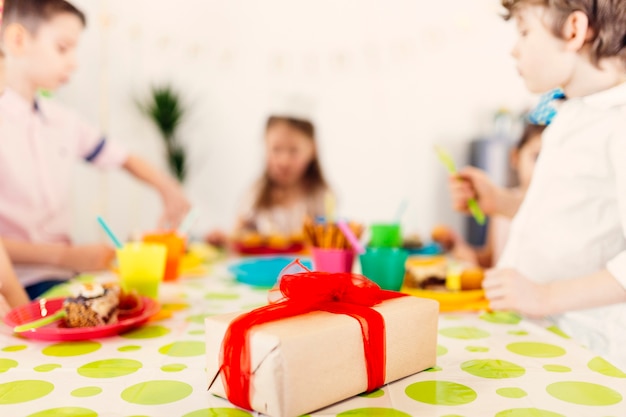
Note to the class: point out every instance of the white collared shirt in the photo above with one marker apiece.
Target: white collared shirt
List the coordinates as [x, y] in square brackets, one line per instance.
[39, 145]
[572, 222]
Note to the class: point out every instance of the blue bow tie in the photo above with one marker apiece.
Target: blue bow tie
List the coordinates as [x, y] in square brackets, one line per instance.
[545, 111]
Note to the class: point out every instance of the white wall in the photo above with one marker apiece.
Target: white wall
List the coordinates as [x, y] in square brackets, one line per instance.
[390, 78]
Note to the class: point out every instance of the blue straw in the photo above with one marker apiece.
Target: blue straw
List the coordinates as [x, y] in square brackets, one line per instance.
[109, 233]
[188, 221]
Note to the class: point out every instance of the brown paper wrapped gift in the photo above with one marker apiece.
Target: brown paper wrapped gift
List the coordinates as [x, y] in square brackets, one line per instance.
[307, 362]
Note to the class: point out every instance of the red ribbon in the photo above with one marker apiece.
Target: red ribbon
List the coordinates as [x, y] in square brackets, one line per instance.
[339, 293]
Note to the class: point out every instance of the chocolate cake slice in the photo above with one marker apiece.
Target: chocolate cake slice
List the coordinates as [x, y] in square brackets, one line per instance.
[92, 304]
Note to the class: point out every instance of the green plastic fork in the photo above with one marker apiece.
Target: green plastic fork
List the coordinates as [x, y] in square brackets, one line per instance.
[472, 204]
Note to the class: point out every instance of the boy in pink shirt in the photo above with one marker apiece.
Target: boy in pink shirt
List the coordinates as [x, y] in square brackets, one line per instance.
[40, 141]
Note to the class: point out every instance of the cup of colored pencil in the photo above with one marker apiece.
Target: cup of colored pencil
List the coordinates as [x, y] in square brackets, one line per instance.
[331, 250]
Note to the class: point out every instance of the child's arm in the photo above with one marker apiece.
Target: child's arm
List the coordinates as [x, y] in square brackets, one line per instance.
[472, 182]
[10, 287]
[80, 258]
[507, 289]
[175, 203]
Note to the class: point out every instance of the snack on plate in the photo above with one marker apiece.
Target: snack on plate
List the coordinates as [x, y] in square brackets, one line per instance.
[251, 239]
[472, 278]
[92, 304]
[444, 236]
[426, 272]
[412, 242]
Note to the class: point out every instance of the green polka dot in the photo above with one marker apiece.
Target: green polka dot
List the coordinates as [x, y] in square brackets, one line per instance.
[511, 392]
[22, 391]
[218, 412]
[493, 368]
[536, 350]
[147, 332]
[557, 368]
[557, 332]
[175, 367]
[518, 332]
[374, 394]
[199, 318]
[222, 296]
[196, 332]
[464, 333]
[477, 349]
[434, 369]
[109, 368]
[527, 412]
[441, 350]
[175, 306]
[603, 367]
[440, 393]
[15, 348]
[583, 393]
[183, 349]
[156, 392]
[86, 392]
[47, 367]
[66, 412]
[253, 306]
[373, 412]
[71, 349]
[501, 317]
[6, 364]
[129, 348]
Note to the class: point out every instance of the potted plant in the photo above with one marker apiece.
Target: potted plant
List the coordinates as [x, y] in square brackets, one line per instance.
[165, 108]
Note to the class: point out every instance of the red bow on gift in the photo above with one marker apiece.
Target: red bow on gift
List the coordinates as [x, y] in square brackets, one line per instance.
[339, 293]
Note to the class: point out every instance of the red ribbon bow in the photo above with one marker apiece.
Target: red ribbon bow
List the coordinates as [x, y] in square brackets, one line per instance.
[339, 293]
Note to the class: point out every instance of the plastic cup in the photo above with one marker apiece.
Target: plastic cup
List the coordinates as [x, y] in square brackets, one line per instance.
[175, 245]
[386, 235]
[333, 260]
[385, 266]
[141, 267]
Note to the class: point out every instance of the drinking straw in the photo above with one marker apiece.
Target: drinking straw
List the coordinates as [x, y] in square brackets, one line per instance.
[329, 207]
[110, 233]
[188, 221]
[354, 241]
[400, 211]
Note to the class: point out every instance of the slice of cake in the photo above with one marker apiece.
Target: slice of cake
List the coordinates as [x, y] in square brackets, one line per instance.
[92, 304]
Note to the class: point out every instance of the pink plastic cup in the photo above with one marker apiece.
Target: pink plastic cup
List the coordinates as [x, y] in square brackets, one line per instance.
[333, 260]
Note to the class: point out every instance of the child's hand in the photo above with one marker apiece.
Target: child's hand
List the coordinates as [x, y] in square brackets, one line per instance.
[87, 257]
[175, 207]
[473, 183]
[507, 289]
[4, 306]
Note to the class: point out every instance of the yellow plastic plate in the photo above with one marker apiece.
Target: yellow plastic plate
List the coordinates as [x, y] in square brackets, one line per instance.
[471, 300]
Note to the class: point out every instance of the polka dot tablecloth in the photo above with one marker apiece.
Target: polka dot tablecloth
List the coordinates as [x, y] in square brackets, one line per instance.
[488, 365]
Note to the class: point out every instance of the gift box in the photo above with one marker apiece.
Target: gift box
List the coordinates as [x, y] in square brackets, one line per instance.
[299, 364]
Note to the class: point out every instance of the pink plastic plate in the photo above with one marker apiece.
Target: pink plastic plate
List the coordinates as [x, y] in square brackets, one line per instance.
[58, 331]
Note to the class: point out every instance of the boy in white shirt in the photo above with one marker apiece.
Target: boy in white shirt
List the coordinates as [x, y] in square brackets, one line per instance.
[566, 254]
[40, 141]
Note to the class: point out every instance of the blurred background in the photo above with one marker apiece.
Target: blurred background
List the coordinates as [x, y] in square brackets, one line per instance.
[388, 80]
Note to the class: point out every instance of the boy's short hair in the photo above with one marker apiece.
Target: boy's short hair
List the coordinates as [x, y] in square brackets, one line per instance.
[32, 13]
[607, 20]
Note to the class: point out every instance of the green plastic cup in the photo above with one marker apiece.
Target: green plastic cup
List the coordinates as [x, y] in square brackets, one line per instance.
[385, 266]
[386, 235]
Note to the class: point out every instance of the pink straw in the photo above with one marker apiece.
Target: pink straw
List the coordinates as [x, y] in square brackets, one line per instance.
[347, 232]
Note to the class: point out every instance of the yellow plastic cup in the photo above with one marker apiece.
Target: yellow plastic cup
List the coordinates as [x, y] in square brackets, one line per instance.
[141, 267]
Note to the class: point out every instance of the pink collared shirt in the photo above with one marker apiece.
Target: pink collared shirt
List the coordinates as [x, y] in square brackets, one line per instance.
[39, 145]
